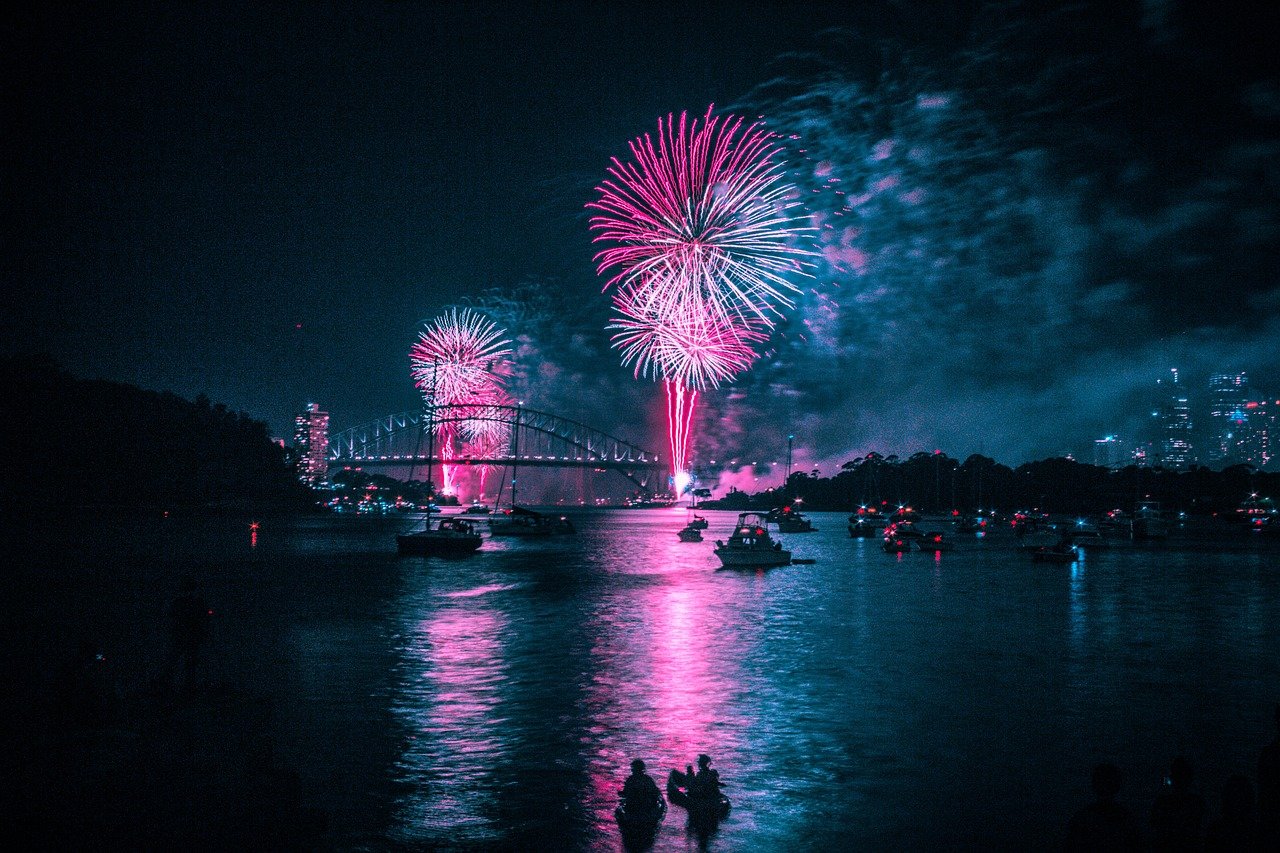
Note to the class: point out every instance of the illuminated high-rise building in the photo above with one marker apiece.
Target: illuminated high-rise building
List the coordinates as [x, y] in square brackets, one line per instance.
[1228, 427]
[1173, 423]
[1111, 452]
[1268, 418]
[311, 444]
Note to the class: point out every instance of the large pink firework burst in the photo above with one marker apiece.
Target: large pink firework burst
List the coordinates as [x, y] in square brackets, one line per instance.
[704, 234]
[460, 359]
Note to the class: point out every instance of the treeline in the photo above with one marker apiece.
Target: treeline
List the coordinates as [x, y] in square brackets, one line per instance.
[935, 482]
[90, 442]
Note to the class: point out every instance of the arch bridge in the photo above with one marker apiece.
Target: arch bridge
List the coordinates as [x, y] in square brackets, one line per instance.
[538, 439]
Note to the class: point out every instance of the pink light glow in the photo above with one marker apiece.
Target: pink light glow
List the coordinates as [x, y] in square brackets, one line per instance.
[461, 359]
[703, 235]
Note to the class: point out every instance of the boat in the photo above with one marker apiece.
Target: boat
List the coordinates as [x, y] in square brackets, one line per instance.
[1148, 522]
[476, 509]
[707, 807]
[639, 823]
[750, 545]
[697, 522]
[1089, 539]
[449, 536]
[905, 530]
[1060, 553]
[933, 542]
[861, 527]
[789, 520]
[1038, 540]
[896, 544]
[521, 521]
[689, 533]
[454, 536]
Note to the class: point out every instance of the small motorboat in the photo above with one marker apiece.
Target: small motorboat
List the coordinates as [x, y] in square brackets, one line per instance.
[689, 533]
[449, 536]
[639, 822]
[750, 545]
[933, 543]
[697, 522]
[1060, 553]
[789, 520]
[899, 536]
[519, 521]
[896, 545]
[861, 527]
[1039, 540]
[713, 807]
[476, 509]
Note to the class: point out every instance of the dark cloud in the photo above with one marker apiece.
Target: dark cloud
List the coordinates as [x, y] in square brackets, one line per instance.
[1019, 232]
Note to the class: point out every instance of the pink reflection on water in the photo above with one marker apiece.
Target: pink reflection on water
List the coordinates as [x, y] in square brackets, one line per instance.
[684, 688]
[667, 681]
[451, 710]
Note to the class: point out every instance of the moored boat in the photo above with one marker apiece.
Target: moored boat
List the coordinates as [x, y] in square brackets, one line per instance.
[448, 536]
[933, 542]
[790, 520]
[519, 521]
[1060, 553]
[1148, 522]
[861, 527]
[750, 545]
[689, 533]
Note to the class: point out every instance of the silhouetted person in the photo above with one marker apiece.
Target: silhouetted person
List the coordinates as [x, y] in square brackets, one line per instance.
[190, 620]
[640, 791]
[1237, 828]
[1104, 824]
[1177, 817]
[1269, 790]
[705, 784]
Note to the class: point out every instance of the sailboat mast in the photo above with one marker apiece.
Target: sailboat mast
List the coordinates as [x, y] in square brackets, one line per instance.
[515, 455]
[431, 440]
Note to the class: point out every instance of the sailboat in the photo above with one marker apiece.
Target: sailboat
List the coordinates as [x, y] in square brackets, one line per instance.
[450, 535]
[518, 520]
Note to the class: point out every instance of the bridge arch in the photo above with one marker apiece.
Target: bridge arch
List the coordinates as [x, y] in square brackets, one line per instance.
[543, 440]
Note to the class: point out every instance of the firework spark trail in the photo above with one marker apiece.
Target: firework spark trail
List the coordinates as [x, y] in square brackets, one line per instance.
[682, 342]
[708, 207]
[704, 234]
[460, 359]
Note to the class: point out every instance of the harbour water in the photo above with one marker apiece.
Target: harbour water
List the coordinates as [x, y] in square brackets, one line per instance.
[865, 701]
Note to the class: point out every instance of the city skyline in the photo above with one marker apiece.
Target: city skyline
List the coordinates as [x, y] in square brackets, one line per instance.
[1025, 213]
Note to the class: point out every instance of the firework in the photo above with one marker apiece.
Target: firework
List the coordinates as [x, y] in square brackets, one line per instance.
[687, 344]
[461, 359]
[706, 208]
[704, 234]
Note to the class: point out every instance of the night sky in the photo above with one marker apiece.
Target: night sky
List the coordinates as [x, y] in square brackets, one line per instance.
[1041, 211]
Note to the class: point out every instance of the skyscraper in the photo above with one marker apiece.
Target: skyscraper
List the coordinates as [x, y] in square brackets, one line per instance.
[311, 442]
[1111, 452]
[1173, 422]
[1228, 428]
